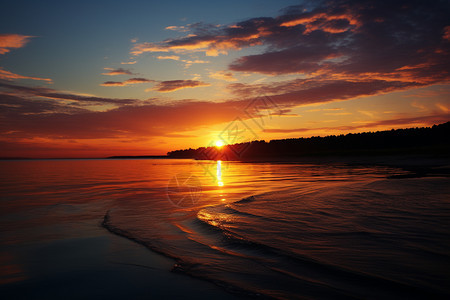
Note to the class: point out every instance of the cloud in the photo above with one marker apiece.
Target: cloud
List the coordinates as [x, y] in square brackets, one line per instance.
[173, 85]
[178, 28]
[128, 62]
[309, 91]
[127, 82]
[445, 108]
[22, 106]
[187, 62]
[334, 22]
[412, 121]
[446, 35]
[338, 40]
[7, 75]
[12, 41]
[29, 115]
[298, 59]
[118, 71]
[222, 75]
[126, 121]
[210, 39]
[22, 117]
[358, 40]
[173, 57]
[27, 92]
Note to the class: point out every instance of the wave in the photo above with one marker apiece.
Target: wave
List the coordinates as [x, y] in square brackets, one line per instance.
[327, 275]
[246, 200]
[180, 266]
[215, 252]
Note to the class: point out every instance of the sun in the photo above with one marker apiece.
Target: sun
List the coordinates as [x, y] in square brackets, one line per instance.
[219, 144]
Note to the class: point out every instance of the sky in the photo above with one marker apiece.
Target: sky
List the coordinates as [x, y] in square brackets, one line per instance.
[101, 78]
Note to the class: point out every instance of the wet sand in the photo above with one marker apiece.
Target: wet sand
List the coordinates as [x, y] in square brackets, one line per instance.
[101, 267]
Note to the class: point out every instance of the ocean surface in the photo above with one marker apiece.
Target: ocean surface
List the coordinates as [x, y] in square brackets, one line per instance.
[269, 230]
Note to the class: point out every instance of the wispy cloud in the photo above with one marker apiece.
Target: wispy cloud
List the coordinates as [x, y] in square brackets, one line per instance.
[127, 82]
[178, 28]
[187, 62]
[222, 75]
[119, 71]
[446, 35]
[12, 41]
[15, 41]
[128, 62]
[47, 93]
[28, 117]
[210, 39]
[443, 107]
[38, 113]
[172, 57]
[412, 121]
[173, 85]
[7, 75]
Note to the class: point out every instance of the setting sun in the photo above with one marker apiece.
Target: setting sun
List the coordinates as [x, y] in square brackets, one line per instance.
[219, 144]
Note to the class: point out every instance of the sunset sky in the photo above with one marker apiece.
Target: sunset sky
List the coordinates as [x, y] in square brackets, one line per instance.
[101, 78]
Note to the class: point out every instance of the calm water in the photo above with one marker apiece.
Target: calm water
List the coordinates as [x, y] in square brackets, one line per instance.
[285, 231]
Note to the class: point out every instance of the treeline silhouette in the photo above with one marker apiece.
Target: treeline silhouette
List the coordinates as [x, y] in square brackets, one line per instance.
[425, 140]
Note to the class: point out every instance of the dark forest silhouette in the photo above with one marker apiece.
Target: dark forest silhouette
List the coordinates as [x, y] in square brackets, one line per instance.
[425, 140]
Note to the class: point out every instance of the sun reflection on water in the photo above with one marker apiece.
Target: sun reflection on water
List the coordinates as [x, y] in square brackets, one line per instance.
[219, 173]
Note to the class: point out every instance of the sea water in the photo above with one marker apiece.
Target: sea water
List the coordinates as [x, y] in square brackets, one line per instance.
[275, 230]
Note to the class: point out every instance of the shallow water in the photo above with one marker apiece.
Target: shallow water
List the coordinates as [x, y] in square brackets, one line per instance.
[272, 230]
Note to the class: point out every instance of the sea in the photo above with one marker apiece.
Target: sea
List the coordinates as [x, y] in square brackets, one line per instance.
[256, 230]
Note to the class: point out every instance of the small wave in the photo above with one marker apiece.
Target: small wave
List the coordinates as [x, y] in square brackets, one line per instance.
[182, 266]
[107, 224]
[217, 248]
[246, 200]
[323, 275]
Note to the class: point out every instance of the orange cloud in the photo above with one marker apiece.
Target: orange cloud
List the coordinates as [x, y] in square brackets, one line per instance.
[177, 28]
[12, 41]
[389, 123]
[186, 61]
[446, 35]
[215, 40]
[211, 45]
[222, 75]
[173, 85]
[127, 82]
[332, 23]
[51, 94]
[119, 71]
[7, 75]
[172, 57]
[33, 114]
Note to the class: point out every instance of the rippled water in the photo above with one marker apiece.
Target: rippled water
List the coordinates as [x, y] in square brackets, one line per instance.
[272, 230]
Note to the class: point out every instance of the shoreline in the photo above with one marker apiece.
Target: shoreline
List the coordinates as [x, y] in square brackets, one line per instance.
[179, 266]
[97, 264]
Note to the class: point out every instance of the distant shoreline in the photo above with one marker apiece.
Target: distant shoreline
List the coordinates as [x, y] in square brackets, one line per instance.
[138, 157]
[88, 158]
